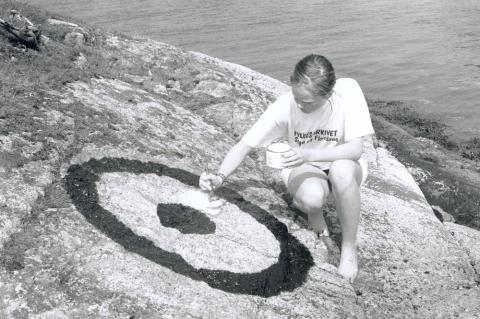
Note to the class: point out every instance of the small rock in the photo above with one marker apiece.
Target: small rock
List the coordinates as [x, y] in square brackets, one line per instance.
[75, 39]
[160, 89]
[45, 40]
[442, 215]
[173, 84]
[80, 62]
[113, 41]
[136, 78]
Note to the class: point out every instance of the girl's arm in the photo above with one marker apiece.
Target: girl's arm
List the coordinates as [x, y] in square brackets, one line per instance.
[234, 158]
[230, 163]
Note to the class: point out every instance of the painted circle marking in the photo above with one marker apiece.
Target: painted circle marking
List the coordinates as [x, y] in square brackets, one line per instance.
[289, 272]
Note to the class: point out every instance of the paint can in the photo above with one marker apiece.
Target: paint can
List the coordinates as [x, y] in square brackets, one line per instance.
[275, 153]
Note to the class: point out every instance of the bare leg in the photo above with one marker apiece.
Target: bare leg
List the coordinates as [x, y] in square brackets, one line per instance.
[317, 222]
[345, 176]
[309, 187]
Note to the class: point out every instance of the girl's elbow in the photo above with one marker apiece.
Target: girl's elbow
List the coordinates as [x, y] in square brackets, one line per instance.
[357, 152]
[356, 156]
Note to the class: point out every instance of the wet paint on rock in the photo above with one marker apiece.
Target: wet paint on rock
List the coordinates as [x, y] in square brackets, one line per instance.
[288, 273]
[185, 219]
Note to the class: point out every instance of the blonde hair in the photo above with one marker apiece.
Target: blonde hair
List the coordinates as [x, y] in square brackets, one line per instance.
[316, 72]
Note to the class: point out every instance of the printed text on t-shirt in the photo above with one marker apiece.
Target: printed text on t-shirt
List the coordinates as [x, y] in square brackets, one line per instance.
[315, 136]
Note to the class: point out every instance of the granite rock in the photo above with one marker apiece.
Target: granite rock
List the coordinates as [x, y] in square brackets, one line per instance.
[84, 235]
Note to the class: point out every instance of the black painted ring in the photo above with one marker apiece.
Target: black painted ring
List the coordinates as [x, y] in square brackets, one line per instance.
[287, 274]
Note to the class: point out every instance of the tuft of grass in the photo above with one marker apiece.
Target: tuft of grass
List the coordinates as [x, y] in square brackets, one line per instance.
[27, 77]
[52, 66]
[28, 74]
[471, 149]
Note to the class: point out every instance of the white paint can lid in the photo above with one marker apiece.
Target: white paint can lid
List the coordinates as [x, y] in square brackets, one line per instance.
[279, 147]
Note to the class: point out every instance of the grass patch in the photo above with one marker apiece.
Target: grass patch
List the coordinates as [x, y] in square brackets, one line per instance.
[471, 149]
[29, 76]
[29, 71]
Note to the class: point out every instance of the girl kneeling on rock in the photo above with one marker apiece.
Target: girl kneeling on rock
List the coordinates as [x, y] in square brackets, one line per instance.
[325, 121]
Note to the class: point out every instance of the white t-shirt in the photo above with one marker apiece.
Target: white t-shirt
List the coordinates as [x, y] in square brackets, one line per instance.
[345, 116]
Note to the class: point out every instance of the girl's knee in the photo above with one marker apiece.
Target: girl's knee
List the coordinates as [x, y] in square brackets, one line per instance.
[310, 201]
[309, 188]
[345, 173]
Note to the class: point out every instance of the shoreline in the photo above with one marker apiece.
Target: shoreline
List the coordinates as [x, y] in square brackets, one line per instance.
[103, 141]
[386, 85]
[419, 124]
[396, 113]
[449, 181]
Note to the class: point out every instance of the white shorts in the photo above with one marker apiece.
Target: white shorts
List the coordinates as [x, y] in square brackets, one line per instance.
[285, 173]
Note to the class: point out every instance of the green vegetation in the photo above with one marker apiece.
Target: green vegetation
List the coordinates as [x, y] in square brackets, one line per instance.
[29, 77]
[471, 149]
[417, 125]
[26, 72]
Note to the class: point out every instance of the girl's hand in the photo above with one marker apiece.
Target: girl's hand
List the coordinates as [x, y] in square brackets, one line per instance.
[210, 182]
[294, 157]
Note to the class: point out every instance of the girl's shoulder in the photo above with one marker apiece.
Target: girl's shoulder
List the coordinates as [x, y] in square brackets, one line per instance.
[284, 101]
[280, 108]
[347, 89]
[285, 97]
[346, 84]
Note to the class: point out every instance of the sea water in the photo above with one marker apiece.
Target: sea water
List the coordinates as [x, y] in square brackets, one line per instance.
[426, 52]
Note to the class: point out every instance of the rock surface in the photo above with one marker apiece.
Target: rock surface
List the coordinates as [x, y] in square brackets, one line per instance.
[448, 180]
[81, 227]
[469, 239]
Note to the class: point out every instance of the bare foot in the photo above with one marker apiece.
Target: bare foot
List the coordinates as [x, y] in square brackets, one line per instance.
[348, 267]
[318, 224]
